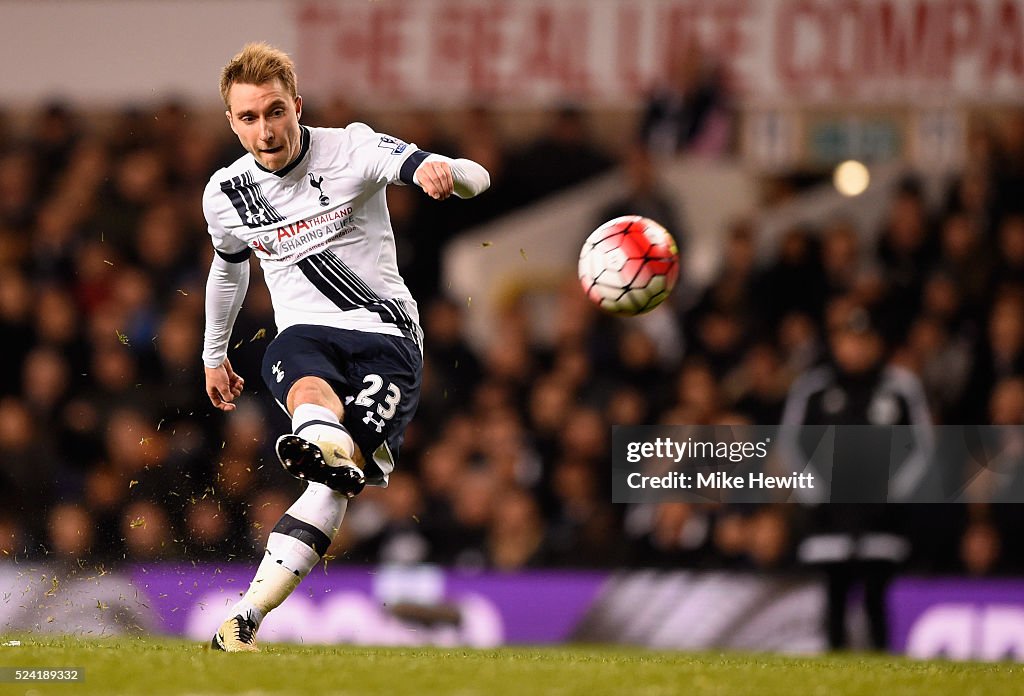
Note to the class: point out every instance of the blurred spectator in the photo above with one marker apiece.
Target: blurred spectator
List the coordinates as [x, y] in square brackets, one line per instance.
[15, 326]
[698, 396]
[159, 251]
[400, 537]
[336, 112]
[503, 449]
[688, 112]
[105, 494]
[840, 259]
[27, 462]
[562, 156]
[980, 548]
[176, 340]
[53, 140]
[45, 384]
[627, 406]
[644, 195]
[452, 365]
[907, 247]
[720, 339]
[1008, 274]
[56, 323]
[70, 532]
[736, 285]
[942, 300]
[669, 534]
[1000, 353]
[757, 387]
[246, 448]
[583, 531]
[769, 545]
[1006, 514]
[480, 140]
[146, 531]
[796, 278]
[263, 512]
[548, 409]
[1006, 406]
[140, 177]
[799, 341]
[472, 500]
[19, 195]
[964, 255]
[942, 361]
[208, 530]
[751, 537]
[517, 538]
[638, 362]
[423, 229]
[194, 157]
[971, 195]
[1008, 162]
[12, 538]
[585, 436]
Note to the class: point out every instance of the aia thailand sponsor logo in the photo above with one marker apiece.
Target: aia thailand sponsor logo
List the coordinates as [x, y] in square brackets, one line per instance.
[304, 235]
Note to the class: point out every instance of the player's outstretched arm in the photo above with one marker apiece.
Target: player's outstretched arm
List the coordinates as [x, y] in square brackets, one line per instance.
[441, 176]
[225, 290]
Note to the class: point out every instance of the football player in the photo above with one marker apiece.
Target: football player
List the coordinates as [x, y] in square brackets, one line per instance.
[346, 363]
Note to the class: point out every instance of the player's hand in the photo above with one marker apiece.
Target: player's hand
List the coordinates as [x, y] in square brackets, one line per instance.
[435, 178]
[223, 386]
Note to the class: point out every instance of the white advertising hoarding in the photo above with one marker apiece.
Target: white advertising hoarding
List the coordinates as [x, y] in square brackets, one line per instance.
[523, 53]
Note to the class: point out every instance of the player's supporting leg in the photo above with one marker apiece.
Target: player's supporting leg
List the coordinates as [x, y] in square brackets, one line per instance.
[295, 546]
[297, 542]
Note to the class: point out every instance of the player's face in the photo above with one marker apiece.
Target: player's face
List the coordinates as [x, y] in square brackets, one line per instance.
[266, 120]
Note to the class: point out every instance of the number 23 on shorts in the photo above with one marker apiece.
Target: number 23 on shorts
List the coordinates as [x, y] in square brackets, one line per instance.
[386, 409]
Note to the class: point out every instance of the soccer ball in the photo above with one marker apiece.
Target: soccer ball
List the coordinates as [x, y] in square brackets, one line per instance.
[629, 265]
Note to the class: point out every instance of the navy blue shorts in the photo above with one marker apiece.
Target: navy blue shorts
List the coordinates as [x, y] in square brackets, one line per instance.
[377, 377]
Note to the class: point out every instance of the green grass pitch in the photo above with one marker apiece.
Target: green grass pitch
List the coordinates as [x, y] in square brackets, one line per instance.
[161, 666]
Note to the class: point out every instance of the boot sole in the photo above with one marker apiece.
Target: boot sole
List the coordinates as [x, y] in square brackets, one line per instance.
[304, 460]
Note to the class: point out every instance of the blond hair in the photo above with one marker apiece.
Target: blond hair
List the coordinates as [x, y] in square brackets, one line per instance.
[256, 64]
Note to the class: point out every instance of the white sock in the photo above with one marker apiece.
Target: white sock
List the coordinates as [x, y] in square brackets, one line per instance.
[294, 548]
[313, 422]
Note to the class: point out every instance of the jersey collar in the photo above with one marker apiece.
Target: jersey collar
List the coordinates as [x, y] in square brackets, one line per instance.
[283, 171]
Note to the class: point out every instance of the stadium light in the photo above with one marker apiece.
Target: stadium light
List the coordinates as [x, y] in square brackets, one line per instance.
[851, 178]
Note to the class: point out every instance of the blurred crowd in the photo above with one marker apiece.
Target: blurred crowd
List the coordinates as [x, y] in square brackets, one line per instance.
[110, 451]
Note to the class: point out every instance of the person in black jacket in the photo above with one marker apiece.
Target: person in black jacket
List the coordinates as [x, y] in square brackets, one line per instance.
[853, 534]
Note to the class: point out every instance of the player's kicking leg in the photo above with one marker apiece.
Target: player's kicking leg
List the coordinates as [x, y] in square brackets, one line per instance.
[319, 447]
[320, 461]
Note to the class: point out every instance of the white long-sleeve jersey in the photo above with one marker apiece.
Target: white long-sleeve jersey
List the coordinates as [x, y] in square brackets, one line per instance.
[321, 231]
